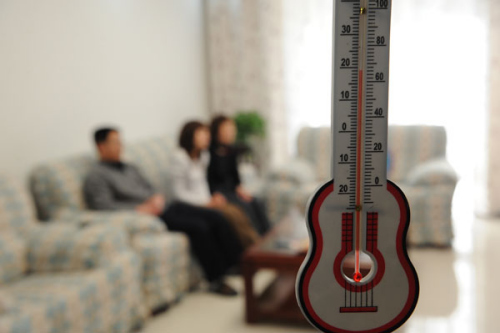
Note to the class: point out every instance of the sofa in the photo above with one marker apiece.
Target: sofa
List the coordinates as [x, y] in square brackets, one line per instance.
[61, 277]
[416, 162]
[168, 268]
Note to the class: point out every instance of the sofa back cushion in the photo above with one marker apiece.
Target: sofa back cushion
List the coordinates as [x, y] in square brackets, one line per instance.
[59, 184]
[410, 146]
[17, 211]
[153, 159]
[314, 146]
[13, 257]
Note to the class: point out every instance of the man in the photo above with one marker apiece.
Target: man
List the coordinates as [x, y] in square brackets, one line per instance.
[115, 185]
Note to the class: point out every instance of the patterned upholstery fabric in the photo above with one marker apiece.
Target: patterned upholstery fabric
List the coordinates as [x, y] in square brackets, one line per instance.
[80, 280]
[314, 146]
[59, 184]
[133, 222]
[410, 146]
[430, 207]
[57, 188]
[282, 196]
[63, 247]
[13, 261]
[166, 262]
[107, 299]
[417, 156]
[153, 158]
[16, 210]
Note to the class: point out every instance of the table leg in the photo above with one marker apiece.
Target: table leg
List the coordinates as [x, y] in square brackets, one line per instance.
[251, 308]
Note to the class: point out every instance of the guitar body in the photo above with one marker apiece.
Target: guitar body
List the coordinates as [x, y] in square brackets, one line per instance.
[327, 293]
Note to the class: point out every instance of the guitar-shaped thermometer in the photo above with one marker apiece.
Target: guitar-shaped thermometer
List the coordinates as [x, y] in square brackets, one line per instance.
[357, 276]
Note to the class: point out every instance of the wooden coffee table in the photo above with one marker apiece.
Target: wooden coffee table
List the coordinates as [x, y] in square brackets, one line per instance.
[282, 250]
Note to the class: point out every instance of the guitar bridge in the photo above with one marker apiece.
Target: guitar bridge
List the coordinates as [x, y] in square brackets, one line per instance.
[359, 309]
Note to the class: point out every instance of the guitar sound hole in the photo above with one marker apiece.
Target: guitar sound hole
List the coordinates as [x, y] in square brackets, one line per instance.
[366, 266]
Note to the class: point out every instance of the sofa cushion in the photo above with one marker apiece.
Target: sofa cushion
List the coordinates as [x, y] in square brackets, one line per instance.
[299, 172]
[166, 260]
[107, 299]
[5, 303]
[153, 159]
[314, 145]
[59, 184]
[65, 247]
[435, 172]
[13, 263]
[410, 146]
[133, 222]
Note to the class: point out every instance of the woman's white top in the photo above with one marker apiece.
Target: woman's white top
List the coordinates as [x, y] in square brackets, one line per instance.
[189, 178]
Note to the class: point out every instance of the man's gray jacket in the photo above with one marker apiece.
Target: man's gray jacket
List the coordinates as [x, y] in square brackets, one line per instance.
[116, 186]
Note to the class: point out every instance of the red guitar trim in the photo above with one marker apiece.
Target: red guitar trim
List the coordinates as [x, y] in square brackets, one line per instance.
[402, 255]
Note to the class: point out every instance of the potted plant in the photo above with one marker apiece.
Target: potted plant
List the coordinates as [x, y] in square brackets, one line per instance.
[251, 128]
[249, 123]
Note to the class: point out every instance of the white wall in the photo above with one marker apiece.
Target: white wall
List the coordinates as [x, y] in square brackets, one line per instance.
[69, 66]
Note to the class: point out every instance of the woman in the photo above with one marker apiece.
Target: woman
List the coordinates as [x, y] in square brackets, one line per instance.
[189, 170]
[223, 175]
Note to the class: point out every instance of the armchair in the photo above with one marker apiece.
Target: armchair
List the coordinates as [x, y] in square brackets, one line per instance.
[417, 163]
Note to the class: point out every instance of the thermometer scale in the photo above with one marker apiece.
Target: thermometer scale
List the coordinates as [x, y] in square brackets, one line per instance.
[357, 276]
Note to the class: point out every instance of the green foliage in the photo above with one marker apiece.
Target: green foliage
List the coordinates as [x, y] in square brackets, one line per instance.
[249, 123]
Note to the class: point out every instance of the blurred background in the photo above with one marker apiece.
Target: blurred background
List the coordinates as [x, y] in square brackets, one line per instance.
[148, 66]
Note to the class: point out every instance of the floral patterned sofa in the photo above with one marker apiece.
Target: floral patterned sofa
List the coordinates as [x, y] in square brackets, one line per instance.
[417, 163]
[62, 278]
[168, 269]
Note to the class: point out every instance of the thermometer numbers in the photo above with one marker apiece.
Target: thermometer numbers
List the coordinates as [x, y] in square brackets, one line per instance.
[377, 146]
[346, 29]
[382, 4]
[345, 62]
[345, 94]
[361, 76]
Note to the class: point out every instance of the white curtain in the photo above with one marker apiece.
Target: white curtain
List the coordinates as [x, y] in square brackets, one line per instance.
[308, 66]
[245, 47]
[490, 174]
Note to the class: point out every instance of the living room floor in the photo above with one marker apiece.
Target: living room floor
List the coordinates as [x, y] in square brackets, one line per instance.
[458, 290]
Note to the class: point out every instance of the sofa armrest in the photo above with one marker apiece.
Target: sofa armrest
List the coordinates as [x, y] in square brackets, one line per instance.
[434, 172]
[298, 171]
[132, 222]
[250, 178]
[65, 247]
[13, 250]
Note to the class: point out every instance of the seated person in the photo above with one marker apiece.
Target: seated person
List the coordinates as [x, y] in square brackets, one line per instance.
[190, 185]
[223, 175]
[115, 185]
